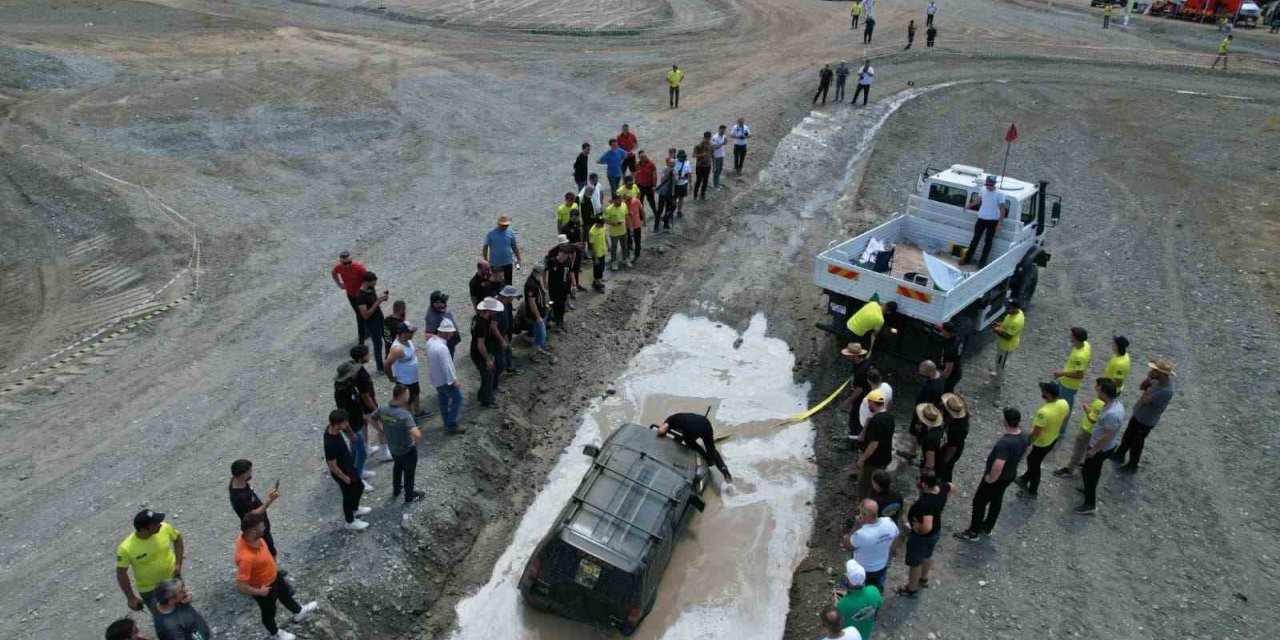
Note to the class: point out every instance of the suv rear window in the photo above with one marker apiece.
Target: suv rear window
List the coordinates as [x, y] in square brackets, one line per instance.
[954, 196]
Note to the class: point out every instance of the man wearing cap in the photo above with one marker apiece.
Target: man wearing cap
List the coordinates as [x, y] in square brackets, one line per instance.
[562, 212]
[859, 603]
[401, 366]
[872, 538]
[535, 308]
[403, 436]
[1071, 376]
[443, 376]
[930, 418]
[438, 312]
[956, 411]
[175, 618]
[581, 165]
[154, 551]
[1008, 336]
[1102, 444]
[868, 320]
[951, 357]
[478, 281]
[992, 208]
[500, 248]
[486, 345]
[1157, 392]
[349, 276]
[256, 576]
[695, 431]
[1001, 469]
[1044, 434]
[506, 323]
[877, 443]
[370, 310]
[244, 500]
[1117, 369]
[858, 388]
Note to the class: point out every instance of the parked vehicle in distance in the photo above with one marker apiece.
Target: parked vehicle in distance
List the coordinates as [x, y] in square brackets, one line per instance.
[602, 560]
[1249, 14]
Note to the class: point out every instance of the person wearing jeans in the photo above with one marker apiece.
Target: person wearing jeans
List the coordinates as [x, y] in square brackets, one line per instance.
[370, 310]
[1101, 443]
[257, 576]
[486, 349]
[443, 376]
[1002, 467]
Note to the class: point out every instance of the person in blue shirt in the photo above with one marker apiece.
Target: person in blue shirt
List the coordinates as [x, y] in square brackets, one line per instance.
[500, 247]
[614, 158]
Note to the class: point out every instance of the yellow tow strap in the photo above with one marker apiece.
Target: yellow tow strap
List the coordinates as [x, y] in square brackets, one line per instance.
[818, 407]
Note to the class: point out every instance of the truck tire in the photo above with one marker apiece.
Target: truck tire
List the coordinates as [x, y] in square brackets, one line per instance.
[965, 324]
[1025, 288]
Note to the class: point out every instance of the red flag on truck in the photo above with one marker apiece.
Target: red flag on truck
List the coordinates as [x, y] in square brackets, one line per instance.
[1012, 133]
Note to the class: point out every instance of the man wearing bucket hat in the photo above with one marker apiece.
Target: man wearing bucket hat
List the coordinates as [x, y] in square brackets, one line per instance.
[930, 417]
[486, 347]
[500, 247]
[858, 388]
[1157, 391]
[857, 601]
[1044, 434]
[957, 415]
[443, 376]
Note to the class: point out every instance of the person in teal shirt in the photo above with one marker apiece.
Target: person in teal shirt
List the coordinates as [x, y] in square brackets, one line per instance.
[860, 602]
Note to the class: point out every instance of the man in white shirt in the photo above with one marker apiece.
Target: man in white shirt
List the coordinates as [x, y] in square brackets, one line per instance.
[928, 13]
[739, 134]
[871, 539]
[865, 75]
[443, 376]
[831, 624]
[992, 210]
[717, 144]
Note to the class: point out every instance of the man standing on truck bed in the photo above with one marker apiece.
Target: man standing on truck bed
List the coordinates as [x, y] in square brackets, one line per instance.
[992, 210]
[688, 429]
[865, 322]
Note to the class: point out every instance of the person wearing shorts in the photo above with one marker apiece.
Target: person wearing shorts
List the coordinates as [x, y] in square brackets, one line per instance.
[924, 521]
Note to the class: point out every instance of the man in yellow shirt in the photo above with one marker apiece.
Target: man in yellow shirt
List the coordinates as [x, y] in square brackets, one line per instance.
[598, 241]
[1118, 366]
[154, 551]
[1071, 375]
[565, 209]
[1044, 434]
[866, 321]
[615, 215]
[856, 12]
[1223, 47]
[1008, 336]
[1081, 445]
[628, 190]
[674, 77]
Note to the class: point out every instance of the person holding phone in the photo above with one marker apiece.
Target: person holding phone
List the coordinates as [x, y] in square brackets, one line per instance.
[244, 500]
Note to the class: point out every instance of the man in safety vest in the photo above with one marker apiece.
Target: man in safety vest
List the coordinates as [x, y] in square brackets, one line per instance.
[867, 321]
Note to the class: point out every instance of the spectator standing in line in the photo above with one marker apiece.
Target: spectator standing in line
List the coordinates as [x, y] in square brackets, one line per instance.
[368, 403]
[842, 75]
[951, 357]
[855, 12]
[875, 382]
[830, 622]
[501, 249]
[868, 29]
[175, 618]
[123, 629]
[740, 134]
[346, 396]
[924, 521]
[666, 190]
[507, 323]
[871, 538]
[1044, 435]
[437, 312]
[154, 551]
[627, 141]
[1002, 467]
[615, 215]
[866, 75]
[929, 12]
[444, 377]
[391, 324]
[575, 254]
[589, 203]
[930, 419]
[718, 142]
[911, 34]
[1008, 336]
[370, 309]
[1091, 411]
[477, 283]
[1117, 369]
[536, 307]
[1157, 392]
[404, 436]
[646, 175]
[560, 284]
[674, 77]
[956, 409]
[256, 576]
[635, 225]
[877, 443]
[402, 366]
[485, 350]
[562, 211]
[930, 35]
[581, 165]
[824, 83]
[244, 500]
[342, 468]
[859, 388]
[682, 172]
[349, 276]
[860, 602]
[1071, 376]
[993, 208]
[1102, 442]
[612, 159]
[703, 153]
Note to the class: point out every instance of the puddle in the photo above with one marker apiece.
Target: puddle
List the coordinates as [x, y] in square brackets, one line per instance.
[731, 572]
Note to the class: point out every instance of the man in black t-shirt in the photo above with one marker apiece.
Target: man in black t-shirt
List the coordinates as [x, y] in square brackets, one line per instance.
[175, 618]
[930, 418]
[1001, 469]
[931, 392]
[877, 442]
[695, 431]
[337, 455]
[485, 349]
[244, 500]
[369, 306]
[925, 527]
[956, 411]
[477, 284]
[950, 357]
[559, 286]
[858, 388]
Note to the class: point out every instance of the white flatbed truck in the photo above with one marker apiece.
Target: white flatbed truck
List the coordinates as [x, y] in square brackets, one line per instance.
[917, 267]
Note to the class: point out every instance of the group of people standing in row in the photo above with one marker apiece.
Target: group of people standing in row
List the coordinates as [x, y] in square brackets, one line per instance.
[939, 427]
[866, 73]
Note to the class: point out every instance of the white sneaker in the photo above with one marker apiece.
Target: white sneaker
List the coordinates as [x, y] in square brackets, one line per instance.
[306, 611]
[367, 486]
[369, 474]
[360, 511]
[357, 525]
[283, 635]
[384, 453]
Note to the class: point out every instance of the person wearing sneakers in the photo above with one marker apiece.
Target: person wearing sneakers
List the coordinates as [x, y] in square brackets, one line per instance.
[507, 325]
[598, 241]
[1002, 467]
[403, 435]
[635, 223]
[1044, 434]
[368, 403]
[536, 306]
[1071, 376]
[1102, 444]
[929, 417]
[346, 396]
[1157, 392]
[1008, 336]
[401, 366]
[337, 455]
[615, 215]
[443, 376]
[1090, 413]
[256, 576]
[957, 414]
[500, 248]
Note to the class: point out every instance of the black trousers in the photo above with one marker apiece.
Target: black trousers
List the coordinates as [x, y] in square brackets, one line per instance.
[666, 207]
[635, 242]
[559, 301]
[404, 468]
[855, 426]
[707, 447]
[628, 165]
[673, 96]
[947, 469]
[486, 379]
[506, 271]
[928, 41]
[822, 91]
[739, 156]
[1091, 472]
[1132, 442]
[863, 90]
[360, 329]
[350, 496]
[701, 176]
[373, 328]
[281, 591]
[984, 230]
[597, 270]
[928, 20]
[866, 34]
[987, 501]
[1034, 461]
[911, 38]
[646, 195]
[855, 23]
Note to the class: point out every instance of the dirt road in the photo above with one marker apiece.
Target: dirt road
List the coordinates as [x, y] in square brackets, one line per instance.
[282, 132]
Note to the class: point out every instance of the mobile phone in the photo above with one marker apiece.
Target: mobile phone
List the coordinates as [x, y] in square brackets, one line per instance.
[277, 483]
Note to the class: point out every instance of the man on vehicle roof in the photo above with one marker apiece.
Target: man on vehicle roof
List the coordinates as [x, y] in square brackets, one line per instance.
[688, 429]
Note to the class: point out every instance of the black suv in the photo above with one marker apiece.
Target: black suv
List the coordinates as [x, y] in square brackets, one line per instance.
[603, 558]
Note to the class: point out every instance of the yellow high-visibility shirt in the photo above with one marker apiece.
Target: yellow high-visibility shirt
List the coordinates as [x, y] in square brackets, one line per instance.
[1049, 417]
[1117, 369]
[674, 77]
[1077, 360]
[598, 240]
[1222, 47]
[616, 217]
[1012, 324]
[1091, 416]
[627, 193]
[866, 320]
[857, 9]
[562, 214]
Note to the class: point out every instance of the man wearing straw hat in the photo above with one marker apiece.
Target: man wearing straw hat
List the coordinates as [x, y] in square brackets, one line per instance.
[928, 416]
[500, 247]
[486, 345]
[957, 414]
[1157, 391]
[858, 388]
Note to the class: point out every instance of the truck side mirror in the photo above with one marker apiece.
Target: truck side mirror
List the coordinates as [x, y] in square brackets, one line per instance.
[697, 502]
[920, 183]
[1055, 214]
[590, 450]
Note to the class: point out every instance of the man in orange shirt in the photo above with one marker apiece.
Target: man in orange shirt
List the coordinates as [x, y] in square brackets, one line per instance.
[635, 222]
[256, 576]
[627, 141]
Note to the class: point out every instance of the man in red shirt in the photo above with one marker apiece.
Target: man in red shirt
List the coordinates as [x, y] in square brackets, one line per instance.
[349, 276]
[646, 178]
[627, 141]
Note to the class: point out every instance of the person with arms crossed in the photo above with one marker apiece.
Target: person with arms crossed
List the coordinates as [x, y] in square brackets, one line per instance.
[154, 551]
[1002, 467]
[1157, 392]
[924, 521]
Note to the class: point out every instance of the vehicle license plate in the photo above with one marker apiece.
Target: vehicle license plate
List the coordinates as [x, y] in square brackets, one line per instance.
[838, 308]
[588, 574]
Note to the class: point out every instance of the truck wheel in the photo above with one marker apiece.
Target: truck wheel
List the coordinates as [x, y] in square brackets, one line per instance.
[964, 331]
[1026, 287]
